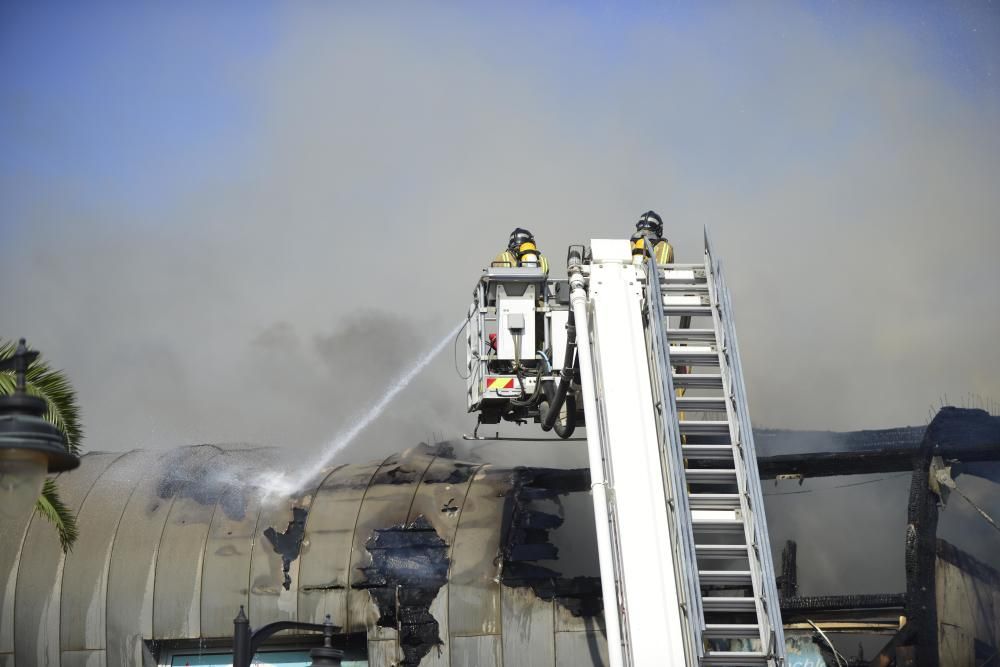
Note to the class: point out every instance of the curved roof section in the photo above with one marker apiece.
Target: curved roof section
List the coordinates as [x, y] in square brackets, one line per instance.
[172, 544]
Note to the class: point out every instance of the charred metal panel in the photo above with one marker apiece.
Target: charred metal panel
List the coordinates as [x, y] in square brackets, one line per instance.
[131, 572]
[326, 550]
[482, 651]
[778, 441]
[39, 577]
[386, 503]
[382, 653]
[288, 543]
[967, 594]
[921, 532]
[582, 648]
[532, 510]
[409, 566]
[270, 600]
[225, 571]
[474, 589]
[439, 500]
[85, 574]
[528, 628]
[180, 555]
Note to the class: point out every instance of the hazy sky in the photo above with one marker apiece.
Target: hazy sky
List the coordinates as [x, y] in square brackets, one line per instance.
[237, 223]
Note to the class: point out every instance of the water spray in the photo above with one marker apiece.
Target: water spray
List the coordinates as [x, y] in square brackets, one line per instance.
[274, 485]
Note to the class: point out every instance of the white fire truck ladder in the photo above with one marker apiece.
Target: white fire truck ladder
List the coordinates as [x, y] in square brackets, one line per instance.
[681, 528]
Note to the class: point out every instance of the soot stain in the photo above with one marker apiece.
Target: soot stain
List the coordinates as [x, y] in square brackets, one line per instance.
[288, 543]
[531, 511]
[409, 566]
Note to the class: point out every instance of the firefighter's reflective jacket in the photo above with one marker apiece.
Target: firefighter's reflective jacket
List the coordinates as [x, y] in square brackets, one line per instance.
[507, 258]
[663, 252]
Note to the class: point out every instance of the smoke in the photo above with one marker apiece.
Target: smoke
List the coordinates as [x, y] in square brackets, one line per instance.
[264, 288]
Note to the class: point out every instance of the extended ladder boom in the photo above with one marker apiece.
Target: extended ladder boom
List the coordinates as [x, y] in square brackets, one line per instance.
[644, 356]
[694, 580]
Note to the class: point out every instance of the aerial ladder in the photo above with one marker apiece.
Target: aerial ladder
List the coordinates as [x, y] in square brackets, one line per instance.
[645, 356]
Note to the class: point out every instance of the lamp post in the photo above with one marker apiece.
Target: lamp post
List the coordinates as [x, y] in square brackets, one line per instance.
[246, 643]
[30, 447]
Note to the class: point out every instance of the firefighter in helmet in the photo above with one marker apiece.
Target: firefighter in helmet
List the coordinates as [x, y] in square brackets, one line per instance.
[522, 251]
[649, 234]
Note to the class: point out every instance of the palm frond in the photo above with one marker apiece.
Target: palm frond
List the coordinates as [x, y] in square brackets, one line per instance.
[52, 508]
[54, 387]
[63, 412]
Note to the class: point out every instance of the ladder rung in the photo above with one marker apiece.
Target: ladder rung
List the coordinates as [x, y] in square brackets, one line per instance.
[714, 501]
[682, 356]
[732, 605]
[710, 475]
[689, 311]
[692, 427]
[720, 550]
[734, 658]
[730, 631]
[724, 577]
[716, 526]
[698, 380]
[708, 452]
[691, 335]
[701, 403]
[681, 267]
[686, 286]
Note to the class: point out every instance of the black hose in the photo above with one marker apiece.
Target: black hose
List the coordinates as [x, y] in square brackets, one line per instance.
[535, 395]
[550, 409]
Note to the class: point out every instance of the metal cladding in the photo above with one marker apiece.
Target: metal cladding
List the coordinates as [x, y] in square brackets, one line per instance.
[173, 543]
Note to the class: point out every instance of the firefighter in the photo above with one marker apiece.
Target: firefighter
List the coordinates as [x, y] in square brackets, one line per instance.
[649, 230]
[522, 251]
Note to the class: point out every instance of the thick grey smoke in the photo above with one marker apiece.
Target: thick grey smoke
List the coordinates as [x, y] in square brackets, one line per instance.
[849, 185]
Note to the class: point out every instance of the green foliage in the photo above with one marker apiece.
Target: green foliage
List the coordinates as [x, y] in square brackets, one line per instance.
[53, 386]
[52, 508]
[64, 413]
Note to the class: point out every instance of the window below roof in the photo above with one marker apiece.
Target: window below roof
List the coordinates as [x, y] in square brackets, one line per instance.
[296, 658]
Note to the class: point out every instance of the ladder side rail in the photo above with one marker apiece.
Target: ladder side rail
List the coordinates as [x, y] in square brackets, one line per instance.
[685, 559]
[770, 588]
[751, 499]
[735, 428]
[607, 540]
[757, 571]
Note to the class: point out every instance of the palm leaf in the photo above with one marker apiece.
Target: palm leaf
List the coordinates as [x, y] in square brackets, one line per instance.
[52, 508]
[63, 412]
[54, 387]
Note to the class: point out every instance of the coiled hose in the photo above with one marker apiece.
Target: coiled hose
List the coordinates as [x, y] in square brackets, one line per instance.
[550, 408]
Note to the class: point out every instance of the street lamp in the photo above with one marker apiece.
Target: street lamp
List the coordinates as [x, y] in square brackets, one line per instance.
[30, 447]
[246, 643]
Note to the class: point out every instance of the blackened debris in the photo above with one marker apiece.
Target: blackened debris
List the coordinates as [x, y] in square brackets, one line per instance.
[409, 566]
[964, 428]
[449, 507]
[532, 510]
[400, 475]
[288, 543]
[459, 475]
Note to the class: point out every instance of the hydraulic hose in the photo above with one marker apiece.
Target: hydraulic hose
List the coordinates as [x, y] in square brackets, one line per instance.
[551, 408]
[535, 395]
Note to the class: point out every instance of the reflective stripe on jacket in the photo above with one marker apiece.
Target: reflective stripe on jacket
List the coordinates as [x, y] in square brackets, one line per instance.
[507, 258]
[663, 252]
